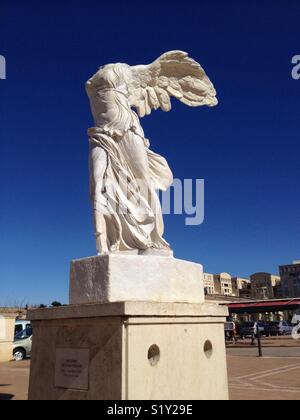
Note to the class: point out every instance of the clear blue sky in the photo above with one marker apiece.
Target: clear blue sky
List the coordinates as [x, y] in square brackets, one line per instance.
[247, 149]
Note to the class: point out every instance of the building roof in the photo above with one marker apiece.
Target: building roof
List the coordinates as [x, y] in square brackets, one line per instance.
[293, 264]
[224, 275]
[262, 273]
[275, 305]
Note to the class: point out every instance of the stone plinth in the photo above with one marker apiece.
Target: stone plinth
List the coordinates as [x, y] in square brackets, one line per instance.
[129, 351]
[121, 278]
[7, 331]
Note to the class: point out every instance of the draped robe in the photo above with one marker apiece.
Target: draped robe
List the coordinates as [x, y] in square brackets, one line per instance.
[125, 173]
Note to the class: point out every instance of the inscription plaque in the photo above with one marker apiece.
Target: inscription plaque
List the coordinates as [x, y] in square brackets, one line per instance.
[72, 369]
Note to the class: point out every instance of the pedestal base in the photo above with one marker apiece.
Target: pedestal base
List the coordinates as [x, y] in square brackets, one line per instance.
[129, 351]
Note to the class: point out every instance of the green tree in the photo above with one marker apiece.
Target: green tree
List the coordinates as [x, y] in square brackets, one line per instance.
[56, 304]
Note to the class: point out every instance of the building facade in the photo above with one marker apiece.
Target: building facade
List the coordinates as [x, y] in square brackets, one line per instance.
[209, 284]
[223, 285]
[264, 286]
[242, 286]
[290, 280]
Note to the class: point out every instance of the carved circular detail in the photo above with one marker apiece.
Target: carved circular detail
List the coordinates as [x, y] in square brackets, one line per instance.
[208, 349]
[154, 355]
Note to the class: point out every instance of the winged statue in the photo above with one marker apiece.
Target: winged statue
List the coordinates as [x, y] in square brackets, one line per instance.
[124, 172]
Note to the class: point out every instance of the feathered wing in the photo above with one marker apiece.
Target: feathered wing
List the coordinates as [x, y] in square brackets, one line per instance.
[172, 74]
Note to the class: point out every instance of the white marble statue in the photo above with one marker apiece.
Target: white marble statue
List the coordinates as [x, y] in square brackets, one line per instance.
[125, 173]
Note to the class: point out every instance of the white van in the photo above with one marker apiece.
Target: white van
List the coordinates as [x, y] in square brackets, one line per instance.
[21, 325]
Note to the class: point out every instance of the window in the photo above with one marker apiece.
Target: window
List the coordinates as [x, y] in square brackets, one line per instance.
[23, 335]
[18, 328]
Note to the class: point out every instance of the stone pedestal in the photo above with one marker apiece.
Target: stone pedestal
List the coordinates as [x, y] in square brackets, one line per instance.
[121, 278]
[137, 329]
[129, 351]
[7, 331]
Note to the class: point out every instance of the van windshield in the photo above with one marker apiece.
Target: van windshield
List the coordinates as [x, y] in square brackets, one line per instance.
[18, 328]
[22, 335]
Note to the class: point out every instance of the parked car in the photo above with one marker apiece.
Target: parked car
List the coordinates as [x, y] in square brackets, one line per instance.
[21, 325]
[278, 328]
[22, 345]
[249, 329]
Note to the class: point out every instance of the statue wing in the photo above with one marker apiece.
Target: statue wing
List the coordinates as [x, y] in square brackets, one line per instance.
[172, 74]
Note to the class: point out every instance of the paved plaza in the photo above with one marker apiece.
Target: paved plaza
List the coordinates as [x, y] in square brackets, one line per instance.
[274, 377]
[14, 380]
[269, 378]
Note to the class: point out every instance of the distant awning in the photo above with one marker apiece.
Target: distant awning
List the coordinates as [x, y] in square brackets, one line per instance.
[264, 306]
